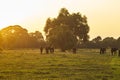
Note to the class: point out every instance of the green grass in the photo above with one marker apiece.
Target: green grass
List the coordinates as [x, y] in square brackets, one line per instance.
[87, 64]
[115, 64]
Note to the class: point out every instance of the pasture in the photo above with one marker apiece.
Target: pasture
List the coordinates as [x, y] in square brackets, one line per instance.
[87, 64]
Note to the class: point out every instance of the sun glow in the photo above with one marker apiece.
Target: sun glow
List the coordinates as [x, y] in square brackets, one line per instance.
[32, 14]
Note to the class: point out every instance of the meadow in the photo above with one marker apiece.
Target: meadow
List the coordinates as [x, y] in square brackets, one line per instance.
[87, 64]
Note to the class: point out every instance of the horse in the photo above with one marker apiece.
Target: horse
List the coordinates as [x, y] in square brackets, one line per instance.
[114, 51]
[102, 50]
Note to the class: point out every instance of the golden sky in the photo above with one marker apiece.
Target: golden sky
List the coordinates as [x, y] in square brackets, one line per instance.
[103, 15]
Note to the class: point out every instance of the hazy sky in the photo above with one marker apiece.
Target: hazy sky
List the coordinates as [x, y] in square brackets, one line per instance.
[103, 15]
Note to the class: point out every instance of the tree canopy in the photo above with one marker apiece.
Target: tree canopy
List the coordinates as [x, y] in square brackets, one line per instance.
[18, 37]
[62, 37]
[73, 24]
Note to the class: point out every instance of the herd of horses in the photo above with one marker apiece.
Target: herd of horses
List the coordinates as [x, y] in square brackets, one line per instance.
[48, 49]
[114, 51]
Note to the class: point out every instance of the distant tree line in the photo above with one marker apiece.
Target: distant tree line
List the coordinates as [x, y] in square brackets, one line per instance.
[98, 42]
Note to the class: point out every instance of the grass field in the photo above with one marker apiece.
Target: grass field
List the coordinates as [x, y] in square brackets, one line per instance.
[87, 64]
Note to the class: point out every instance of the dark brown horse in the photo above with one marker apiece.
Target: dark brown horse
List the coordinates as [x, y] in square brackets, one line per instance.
[114, 51]
[102, 50]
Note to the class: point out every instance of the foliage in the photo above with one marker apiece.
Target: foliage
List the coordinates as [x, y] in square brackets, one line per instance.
[36, 39]
[18, 37]
[97, 39]
[62, 37]
[107, 42]
[76, 23]
[14, 36]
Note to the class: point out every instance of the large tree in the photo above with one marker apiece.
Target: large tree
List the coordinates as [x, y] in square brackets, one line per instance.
[62, 37]
[17, 37]
[76, 23]
[14, 37]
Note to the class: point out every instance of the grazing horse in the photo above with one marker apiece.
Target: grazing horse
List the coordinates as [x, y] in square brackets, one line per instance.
[119, 52]
[74, 50]
[102, 50]
[52, 49]
[114, 51]
[47, 49]
[41, 49]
